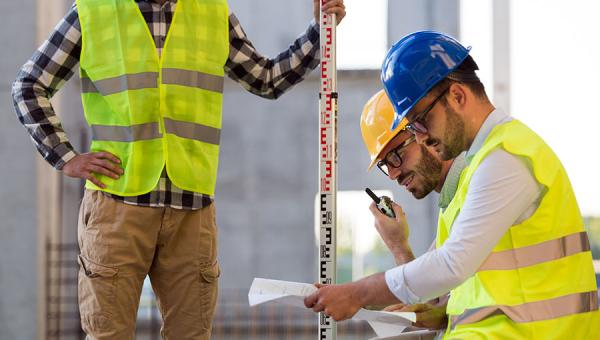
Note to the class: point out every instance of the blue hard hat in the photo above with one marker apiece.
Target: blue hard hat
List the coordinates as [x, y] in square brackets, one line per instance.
[415, 64]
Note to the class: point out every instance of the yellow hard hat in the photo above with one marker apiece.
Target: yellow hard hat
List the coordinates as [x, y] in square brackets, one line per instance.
[375, 125]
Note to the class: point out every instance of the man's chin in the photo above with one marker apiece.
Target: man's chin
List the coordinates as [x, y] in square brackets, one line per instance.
[422, 191]
[418, 194]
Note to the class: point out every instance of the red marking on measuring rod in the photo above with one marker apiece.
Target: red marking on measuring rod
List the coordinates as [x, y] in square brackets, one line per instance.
[327, 165]
[324, 68]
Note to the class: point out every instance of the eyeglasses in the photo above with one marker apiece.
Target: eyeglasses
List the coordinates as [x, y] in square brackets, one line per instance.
[417, 125]
[393, 158]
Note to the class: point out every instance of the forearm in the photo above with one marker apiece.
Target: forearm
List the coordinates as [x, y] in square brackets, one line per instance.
[39, 79]
[402, 252]
[34, 110]
[266, 77]
[373, 291]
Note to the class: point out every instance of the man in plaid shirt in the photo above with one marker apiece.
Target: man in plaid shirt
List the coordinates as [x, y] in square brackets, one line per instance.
[167, 232]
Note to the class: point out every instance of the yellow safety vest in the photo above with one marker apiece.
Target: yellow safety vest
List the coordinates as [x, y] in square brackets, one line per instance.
[155, 112]
[539, 281]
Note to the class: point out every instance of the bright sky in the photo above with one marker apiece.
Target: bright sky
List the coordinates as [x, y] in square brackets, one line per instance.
[361, 47]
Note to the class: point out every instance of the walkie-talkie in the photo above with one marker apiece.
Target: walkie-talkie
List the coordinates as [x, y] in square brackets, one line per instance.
[384, 203]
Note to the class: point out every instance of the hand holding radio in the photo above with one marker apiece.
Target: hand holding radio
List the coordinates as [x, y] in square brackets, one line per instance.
[384, 203]
[391, 225]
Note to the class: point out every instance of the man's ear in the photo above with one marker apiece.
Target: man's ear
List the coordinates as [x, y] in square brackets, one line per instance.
[458, 95]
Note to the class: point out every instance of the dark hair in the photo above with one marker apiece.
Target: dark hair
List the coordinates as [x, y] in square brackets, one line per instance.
[465, 75]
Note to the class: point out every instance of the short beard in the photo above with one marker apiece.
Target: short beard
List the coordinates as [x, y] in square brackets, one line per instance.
[430, 169]
[454, 135]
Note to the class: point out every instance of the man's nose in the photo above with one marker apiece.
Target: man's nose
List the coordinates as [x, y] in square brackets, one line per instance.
[394, 173]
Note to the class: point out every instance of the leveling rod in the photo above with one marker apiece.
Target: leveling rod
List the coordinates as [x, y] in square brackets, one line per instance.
[327, 165]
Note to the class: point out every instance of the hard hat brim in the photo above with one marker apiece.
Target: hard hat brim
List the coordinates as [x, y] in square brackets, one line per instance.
[401, 126]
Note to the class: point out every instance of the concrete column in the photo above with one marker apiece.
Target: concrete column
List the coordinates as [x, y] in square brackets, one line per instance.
[501, 54]
[407, 16]
[48, 190]
[58, 200]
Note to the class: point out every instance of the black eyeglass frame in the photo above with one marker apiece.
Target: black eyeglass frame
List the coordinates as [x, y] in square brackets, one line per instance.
[417, 125]
[386, 162]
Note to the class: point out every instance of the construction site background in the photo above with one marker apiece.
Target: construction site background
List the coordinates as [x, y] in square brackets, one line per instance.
[267, 176]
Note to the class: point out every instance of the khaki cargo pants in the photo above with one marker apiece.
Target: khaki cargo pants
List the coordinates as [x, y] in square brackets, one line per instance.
[121, 244]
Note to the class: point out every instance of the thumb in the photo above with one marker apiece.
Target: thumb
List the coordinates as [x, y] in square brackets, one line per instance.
[418, 307]
[397, 209]
[394, 308]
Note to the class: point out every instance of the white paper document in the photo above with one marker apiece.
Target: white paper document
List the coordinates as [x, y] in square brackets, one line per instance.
[265, 291]
[386, 323]
[280, 292]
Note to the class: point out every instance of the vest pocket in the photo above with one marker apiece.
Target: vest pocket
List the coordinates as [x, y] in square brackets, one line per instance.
[97, 285]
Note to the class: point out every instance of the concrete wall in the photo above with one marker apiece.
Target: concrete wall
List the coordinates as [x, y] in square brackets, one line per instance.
[269, 160]
[17, 182]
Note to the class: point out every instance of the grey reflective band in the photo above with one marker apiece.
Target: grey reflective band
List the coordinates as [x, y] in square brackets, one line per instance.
[122, 83]
[146, 80]
[115, 133]
[537, 253]
[87, 86]
[200, 80]
[533, 311]
[194, 131]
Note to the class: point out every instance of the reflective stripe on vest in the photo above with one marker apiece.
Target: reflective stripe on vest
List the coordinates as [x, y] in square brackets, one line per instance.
[148, 80]
[189, 130]
[200, 80]
[538, 253]
[125, 133]
[116, 133]
[145, 80]
[533, 311]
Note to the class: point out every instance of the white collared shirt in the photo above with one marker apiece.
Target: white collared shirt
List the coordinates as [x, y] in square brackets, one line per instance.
[502, 192]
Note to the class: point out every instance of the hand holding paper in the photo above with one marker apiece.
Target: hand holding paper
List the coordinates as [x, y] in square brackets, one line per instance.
[264, 291]
[340, 301]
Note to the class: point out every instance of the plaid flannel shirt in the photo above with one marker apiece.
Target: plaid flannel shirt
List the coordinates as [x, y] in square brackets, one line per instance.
[55, 60]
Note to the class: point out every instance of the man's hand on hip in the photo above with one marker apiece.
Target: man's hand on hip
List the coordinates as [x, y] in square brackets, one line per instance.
[87, 164]
[330, 7]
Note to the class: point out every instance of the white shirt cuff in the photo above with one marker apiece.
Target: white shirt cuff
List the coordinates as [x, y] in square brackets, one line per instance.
[394, 278]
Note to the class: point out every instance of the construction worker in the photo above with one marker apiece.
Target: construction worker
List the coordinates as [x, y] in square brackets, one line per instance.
[409, 164]
[418, 169]
[511, 247]
[152, 81]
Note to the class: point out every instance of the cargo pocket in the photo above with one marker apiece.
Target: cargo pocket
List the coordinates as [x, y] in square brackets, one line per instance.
[210, 273]
[209, 283]
[97, 288]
